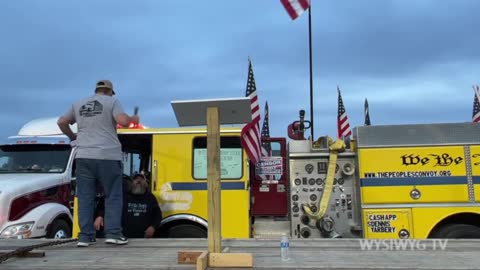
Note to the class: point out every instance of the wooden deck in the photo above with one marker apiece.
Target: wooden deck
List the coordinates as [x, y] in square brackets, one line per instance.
[306, 254]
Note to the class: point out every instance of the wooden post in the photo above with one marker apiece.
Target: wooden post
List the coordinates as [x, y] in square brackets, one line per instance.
[213, 182]
[214, 257]
[202, 261]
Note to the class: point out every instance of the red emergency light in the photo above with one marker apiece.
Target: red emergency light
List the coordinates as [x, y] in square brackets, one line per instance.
[132, 126]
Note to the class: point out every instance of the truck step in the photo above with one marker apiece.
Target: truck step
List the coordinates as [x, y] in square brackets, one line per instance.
[270, 227]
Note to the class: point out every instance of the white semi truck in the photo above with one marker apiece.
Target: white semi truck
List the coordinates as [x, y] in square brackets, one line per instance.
[36, 182]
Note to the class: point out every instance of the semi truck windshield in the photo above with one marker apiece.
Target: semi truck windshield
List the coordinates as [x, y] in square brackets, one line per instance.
[34, 158]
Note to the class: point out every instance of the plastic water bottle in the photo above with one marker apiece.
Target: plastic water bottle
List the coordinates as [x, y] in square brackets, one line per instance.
[285, 248]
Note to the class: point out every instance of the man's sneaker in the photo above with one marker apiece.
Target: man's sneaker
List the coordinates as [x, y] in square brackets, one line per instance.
[117, 241]
[86, 243]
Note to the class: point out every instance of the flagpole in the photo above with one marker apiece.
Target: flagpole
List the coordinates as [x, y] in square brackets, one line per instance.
[311, 72]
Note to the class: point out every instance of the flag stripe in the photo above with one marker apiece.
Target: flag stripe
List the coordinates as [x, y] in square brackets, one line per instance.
[251, 141]
[476, 105]
[476, 118]
[290, 10]
[343, 126]
[295, 8]
[304, 4]
[266, 147]
[255, 108]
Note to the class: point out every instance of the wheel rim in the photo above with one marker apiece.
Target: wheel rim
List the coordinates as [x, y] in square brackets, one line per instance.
[60, 234]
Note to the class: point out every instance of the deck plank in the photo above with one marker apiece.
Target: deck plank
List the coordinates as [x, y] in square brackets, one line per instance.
[306, 254]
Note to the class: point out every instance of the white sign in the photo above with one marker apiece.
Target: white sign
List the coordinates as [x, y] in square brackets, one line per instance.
[269, 166]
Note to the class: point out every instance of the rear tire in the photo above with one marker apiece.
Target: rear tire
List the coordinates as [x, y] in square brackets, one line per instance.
[186, 231]
[59, 229]
[464, 231]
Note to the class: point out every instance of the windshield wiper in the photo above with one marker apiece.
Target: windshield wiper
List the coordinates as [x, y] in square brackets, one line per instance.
[29, 170]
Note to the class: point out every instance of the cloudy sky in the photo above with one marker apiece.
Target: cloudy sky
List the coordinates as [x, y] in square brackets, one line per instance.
[415, 61]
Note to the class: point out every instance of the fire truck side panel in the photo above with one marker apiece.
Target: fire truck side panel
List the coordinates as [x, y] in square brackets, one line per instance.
[425, 219]
[308, 175]
[180, 184]
[419, 179]
[475, 160]
[392, 175]
[416, 222]
[401, 194]
[387, 223]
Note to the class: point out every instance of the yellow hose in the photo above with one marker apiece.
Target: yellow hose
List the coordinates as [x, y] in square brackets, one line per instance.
[335, 148]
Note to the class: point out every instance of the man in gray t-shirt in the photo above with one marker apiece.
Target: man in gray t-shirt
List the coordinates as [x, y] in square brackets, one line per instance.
[98, 157]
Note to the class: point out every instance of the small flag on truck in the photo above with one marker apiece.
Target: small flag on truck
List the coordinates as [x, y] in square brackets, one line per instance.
[342, 122]
[251, 132]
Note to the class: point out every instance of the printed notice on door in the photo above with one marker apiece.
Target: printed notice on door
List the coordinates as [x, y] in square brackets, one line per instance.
[269, 165]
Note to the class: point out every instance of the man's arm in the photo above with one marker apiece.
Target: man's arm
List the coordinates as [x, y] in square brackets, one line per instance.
[125, 120]
[121, 117]
[155, 216]
[64, 126]
[99, 213]
[100, 208]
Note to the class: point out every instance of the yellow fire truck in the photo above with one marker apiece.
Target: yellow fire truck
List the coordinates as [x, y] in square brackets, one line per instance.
[400, 181]
[176, 161]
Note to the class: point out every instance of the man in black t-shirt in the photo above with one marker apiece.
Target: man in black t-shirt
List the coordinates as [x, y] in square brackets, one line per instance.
[141, 214]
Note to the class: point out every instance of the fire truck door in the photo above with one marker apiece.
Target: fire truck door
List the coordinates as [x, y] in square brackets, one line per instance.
[269, 180]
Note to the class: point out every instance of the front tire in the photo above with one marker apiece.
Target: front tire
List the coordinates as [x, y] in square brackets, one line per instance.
[186, 231]
[60, 229]
[462, 231]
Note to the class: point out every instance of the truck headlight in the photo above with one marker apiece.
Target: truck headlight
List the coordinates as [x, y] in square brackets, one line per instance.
[21, 230]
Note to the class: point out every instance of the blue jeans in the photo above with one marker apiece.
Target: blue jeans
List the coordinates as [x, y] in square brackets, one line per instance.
[109, 174]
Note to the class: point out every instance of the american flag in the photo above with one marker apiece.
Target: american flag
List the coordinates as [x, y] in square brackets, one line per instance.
[250, 136]
[367, 114]
[342, 121]
[295, 8]
[476, 105]
[266, 147]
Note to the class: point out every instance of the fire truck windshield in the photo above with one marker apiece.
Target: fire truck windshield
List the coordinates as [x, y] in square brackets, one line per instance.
[34, 158]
